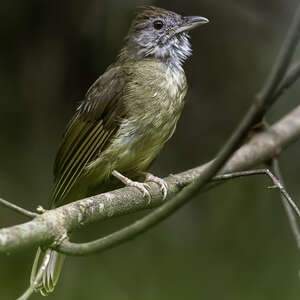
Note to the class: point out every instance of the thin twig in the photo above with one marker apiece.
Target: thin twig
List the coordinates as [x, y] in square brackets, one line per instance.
[282, 62]
[292, 219]
[292, 75]
[19, 209]
[264, 98]
[38, 278]
[278, 184]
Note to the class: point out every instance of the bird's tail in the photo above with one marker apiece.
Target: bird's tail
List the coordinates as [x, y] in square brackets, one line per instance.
[51, 262]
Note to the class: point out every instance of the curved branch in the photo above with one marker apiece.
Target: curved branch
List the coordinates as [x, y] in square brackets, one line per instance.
[282, 62]
[138, 227]
[19, 209]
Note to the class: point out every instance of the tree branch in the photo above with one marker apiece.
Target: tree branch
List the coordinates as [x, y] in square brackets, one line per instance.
[19, 209]
[138, 227]
[46, 228]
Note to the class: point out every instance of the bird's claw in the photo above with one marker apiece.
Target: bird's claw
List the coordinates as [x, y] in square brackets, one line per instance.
[142, 187]
[162, 183]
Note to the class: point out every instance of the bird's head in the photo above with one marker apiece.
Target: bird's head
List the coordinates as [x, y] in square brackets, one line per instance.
[161, 34]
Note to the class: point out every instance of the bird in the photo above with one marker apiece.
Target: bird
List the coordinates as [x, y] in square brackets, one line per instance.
[124, 120]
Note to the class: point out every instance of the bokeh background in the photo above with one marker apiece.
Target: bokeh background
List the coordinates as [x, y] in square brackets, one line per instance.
[231, 243]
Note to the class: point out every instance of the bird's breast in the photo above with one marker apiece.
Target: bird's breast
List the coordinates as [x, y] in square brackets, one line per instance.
[155, 92]
[153, 101]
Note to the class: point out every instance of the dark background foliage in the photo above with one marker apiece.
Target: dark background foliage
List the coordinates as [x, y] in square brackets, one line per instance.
[231, 243]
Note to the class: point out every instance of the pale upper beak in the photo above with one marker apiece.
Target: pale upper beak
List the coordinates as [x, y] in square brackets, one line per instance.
[190, 23]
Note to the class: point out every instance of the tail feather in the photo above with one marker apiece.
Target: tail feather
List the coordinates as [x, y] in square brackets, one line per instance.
[52, 272]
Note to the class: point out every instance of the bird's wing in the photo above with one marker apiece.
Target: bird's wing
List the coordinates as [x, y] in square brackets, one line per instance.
[90, 130]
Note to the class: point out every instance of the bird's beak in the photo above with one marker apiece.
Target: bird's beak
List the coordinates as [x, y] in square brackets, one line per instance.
[190, 23]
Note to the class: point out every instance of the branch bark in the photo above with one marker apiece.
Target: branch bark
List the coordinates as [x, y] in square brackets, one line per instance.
[47, 228]
[138, 227]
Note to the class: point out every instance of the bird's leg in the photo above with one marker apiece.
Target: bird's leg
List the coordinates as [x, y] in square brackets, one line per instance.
[143, 187]
[162, 183]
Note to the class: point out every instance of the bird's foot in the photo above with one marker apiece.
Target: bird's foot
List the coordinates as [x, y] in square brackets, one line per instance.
[142, 187]
[162, 183]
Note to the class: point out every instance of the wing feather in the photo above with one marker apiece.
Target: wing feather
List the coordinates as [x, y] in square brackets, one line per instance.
[76, 161]
[89, 131]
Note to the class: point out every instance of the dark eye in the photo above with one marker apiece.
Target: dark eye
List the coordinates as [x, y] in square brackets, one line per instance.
[158, 24]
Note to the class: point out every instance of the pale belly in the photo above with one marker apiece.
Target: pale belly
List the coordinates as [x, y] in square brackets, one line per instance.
[133, 150]
[138, 151]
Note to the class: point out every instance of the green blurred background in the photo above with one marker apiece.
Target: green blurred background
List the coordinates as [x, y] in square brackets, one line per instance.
[231, 243]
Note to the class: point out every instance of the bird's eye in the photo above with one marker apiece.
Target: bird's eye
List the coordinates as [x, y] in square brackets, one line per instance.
[158, 24]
